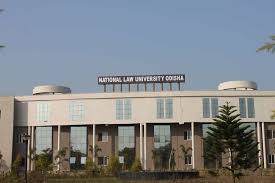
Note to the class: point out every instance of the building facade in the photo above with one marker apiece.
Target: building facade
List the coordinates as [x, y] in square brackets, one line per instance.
[135, 123]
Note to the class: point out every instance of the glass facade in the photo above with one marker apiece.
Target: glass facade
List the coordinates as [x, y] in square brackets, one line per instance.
[78, 144]
[43, 112]
[76, 111]
[162, 135]
[43, 139]
[126, 145]
[126, 137]
[162, 147]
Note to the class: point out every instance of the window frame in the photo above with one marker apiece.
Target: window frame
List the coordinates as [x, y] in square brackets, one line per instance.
[188, 161]
[188, 135]
[271, 159]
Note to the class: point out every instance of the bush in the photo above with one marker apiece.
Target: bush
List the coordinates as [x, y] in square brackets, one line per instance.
[16, 165]
[114, 167]
[136, 167]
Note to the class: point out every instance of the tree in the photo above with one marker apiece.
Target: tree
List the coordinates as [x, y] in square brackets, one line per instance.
[44, 160]
[268, 47]
[233, 140]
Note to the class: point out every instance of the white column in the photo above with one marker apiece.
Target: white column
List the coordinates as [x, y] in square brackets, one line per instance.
[145, 146]
[259, 143]
[58, 144]
[28, 149]
[32, 147]
[140, 143]
[264, 148]
[94, 143]
[193, 145]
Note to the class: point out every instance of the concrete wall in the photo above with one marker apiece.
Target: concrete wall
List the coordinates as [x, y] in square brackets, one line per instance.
[6, 131]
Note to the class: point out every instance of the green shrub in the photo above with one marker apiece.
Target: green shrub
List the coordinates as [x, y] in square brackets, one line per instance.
[16, 164]
[136, 167]
[114, 167]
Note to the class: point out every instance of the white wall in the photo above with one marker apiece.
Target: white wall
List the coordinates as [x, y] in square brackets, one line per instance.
[100, 107]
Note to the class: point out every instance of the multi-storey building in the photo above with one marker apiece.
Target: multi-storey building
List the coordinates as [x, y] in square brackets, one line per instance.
[140, 121]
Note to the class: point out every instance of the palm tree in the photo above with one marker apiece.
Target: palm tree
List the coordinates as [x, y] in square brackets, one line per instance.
[95, 151]
[268, 47]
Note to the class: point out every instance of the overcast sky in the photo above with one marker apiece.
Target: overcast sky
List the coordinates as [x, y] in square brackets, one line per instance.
[71, 42]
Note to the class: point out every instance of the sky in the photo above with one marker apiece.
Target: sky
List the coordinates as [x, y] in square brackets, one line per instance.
[72, 42]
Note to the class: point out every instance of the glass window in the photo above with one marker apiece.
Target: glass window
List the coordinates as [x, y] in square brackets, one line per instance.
[119, 109]
[78, 144]
[187, 135]
[169, 108]
[76, 111]
[160, 108]
[19, 139]
[126, 145]
[123, 109]
[270, 134]
[43, 112]
[188, 160]
[162, 135]
[206, 107]
[250, 108]
[271, 158]
[126, 137]
[103, 137]
[214, 107]
[242, 107]
[103, 161]
[165, 111]
[127, 109]
[43, 139]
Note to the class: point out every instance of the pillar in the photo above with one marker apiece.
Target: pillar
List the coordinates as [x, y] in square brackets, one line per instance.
[193, 145]
[32, 146]
[140, 143]
[28, 149]
[145, 146]
[58, 144]
[94, 143]
[259, 143]
[264, 147]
